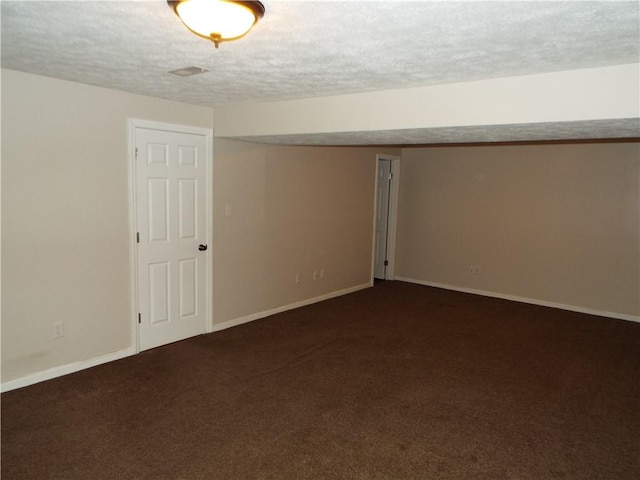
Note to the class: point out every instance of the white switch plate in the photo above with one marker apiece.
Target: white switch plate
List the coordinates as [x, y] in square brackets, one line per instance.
[58, 329]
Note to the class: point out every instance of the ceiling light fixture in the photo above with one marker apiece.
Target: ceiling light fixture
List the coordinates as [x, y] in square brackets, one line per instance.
[218, 20]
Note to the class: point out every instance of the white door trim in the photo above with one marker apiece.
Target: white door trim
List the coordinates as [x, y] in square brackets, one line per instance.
[390, 273]
[133, 124]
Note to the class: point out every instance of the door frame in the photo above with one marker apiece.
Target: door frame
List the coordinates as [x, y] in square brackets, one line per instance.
[394, 192]
[133, 124]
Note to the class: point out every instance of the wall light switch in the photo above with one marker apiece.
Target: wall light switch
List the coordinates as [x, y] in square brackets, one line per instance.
[58, 329]
[227, 210]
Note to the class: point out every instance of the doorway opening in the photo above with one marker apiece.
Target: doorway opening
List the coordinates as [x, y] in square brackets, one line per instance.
[385, 220]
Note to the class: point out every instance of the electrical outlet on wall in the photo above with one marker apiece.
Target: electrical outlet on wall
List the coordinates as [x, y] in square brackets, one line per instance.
[315, 275]
[474, 270]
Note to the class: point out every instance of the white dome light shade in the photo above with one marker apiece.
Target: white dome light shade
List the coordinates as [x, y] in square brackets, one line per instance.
[218, 20]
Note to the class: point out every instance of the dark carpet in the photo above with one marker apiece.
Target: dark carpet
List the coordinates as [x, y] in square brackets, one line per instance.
[398, 381]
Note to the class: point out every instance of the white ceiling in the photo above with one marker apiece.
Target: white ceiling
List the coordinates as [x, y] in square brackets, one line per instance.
[306, 49]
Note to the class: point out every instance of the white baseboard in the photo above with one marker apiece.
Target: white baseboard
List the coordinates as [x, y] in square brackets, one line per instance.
[93, 362]
[64, 370]
[256, 316]
[82, 365]
[533, 301]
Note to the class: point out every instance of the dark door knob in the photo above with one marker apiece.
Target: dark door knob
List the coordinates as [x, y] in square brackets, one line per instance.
[202, 247]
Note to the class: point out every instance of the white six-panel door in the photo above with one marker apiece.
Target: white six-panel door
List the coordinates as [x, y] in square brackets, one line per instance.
[171, 184]
[383, 179]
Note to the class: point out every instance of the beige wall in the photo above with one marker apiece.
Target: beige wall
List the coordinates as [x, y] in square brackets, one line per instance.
[65, 217]
[553, 223]
[557, 223]
[294, 210]
[65, 221]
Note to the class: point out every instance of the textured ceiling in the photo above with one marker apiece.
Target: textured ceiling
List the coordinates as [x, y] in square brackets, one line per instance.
[309, 49]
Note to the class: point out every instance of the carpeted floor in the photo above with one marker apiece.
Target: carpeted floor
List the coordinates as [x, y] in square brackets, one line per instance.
[398, 381]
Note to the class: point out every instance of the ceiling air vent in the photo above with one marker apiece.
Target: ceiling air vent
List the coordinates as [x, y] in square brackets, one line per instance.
[188, 71]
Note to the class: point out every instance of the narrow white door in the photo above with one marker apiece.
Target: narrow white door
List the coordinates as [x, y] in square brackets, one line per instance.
[170, 172]
[383, 184]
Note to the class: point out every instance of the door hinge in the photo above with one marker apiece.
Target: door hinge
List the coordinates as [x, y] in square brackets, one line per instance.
[137, 237]
[386, 263]
[136, 153]
[139, 318]
[390, 175]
